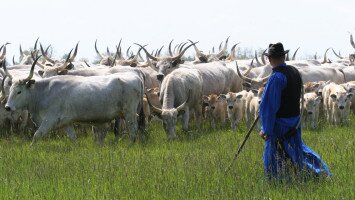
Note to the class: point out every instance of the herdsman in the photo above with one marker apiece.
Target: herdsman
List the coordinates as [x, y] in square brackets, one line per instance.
[280, 114]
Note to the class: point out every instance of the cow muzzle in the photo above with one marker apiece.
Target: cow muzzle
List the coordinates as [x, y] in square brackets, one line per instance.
[341, 107]
[160, 77]
[212, 107]
[230, 107]
[310, 112]
[7, 108]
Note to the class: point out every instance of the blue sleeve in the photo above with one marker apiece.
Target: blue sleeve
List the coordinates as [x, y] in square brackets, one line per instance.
[270, 101]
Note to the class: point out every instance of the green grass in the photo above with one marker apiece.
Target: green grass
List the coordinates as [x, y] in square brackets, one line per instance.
[192, 167]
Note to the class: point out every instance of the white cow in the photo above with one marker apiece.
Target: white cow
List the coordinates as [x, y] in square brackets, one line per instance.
[61, 101]
[310, 108]
[337, 103]
[236, 105]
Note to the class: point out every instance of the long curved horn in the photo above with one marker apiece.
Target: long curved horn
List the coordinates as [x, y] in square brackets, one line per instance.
[2, 57]
[159, 51]
[325, 56]
[249, 69]
[2, 87]
[352, 41]
[222, 51]
[315, 56]
[86, 63]
[35, 46]
[13, 60]
[147, 53]
[97, 51]
[252, 62]
[337, 55]
[45, 56]
[21, 52]
[294, 54]
[183, 105]
[31, 71]
[47, 49]
[220, 46]
[170, 52]
[183, 51]
[263, 57]
[198, 52]
[257, 60]
[127, 52]
[67, 61]
[250, 79]
[156, 109]
[75, 52]
[231, 56]
[287, 56]
[33, 56]
[182, 46]
[135, 58]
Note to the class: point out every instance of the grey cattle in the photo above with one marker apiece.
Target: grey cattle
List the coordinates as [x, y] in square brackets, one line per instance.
[181, 90]
[60, 101]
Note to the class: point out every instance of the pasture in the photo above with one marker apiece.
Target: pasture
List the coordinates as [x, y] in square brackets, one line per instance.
[191, 167]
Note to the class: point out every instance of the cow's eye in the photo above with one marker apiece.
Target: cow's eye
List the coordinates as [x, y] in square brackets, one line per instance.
[19, 92]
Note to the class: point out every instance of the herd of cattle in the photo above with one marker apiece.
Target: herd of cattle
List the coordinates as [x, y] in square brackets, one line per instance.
[48, 93]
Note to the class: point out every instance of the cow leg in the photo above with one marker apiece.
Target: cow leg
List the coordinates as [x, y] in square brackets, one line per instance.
[44, 128]
[24, 116]
[185, 118]
[132, 124]
[198, 115]
[71, 133]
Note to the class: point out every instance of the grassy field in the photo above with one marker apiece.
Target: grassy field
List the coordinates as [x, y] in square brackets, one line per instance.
[192, 167]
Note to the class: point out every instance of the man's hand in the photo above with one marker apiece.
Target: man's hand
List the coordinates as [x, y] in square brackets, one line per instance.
[262, 135]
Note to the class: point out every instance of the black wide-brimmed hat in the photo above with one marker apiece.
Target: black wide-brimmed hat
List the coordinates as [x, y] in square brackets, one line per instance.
[276, 50]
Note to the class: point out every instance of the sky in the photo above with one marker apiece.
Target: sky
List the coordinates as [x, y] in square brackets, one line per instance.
[312, 25]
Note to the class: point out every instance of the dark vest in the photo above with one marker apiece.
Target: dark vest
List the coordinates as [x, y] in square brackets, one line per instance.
[291, 94]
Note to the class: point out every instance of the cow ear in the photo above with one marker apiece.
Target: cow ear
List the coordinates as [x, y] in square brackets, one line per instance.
[63, 72]
[255, 91]
[70, 66]
[158, 93]
[333, 96]
[318, 99]
[175, 63]
[349, 95]
[316, 85]
[133, 65]
[203, 59]
[205, 98]
[30, 82]
[41, 72]
[319, 93]
[222, 57]
[247, 85]
[223, 96]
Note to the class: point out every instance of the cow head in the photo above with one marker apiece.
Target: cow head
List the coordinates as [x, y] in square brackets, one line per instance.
[164, 65]
[56, 69]
[232, 99]
[252, 83]
[20, 91]
[169, 116]
[341, 99]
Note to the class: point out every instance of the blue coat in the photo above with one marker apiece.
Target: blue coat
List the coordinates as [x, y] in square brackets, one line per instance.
[301, 156]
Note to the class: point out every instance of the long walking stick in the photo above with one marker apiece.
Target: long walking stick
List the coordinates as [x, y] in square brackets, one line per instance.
[243, 143]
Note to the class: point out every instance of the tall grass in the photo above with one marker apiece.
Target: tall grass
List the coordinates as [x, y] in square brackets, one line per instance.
[192, 167]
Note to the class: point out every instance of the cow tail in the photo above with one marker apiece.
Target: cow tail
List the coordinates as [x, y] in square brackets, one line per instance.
[141, 117]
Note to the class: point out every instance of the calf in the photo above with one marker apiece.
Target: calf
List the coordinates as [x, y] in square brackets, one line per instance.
[235, 106]
[310, 108]
[337, 103]
[217, 109]
[253, 103]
